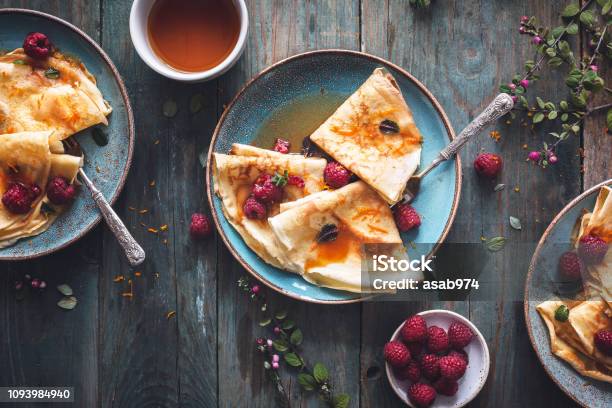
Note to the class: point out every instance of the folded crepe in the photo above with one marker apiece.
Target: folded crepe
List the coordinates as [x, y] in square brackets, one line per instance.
[359, 216]
[234, 176]
[573, 340]
[58, 94]
[26, 157]
[374, 135]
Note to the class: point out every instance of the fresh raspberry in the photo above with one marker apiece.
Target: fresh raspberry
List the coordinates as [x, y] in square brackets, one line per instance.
[200, 226]
[253, 209]
[406, 217]
[416, 348]
[265, 191]
[59, 191]
[411, 372]
[603, 341]
[570, 266]
[437, 340]
[452, 367]
[336, 175]
[488, 164]
[18, 198]
[282, 146]
[459, 335]
[396, 353]
[37, 46]
[461, 354]
[430, 367]
[446, 387]
[592, 249]
[422, 395]
[414, 329]
[296, 181]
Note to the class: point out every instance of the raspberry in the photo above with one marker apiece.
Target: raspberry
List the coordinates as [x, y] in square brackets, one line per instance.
[59, 191]
[411, 372]
[430, 367]
[416, 349]
[422, 395]
[282, 146]
[296, 181]
[336, 175]
[437, 340]
[414, 329]
[37, 46]
[459, 335]
[200, 226]
[592, 249]
[446, 387]
[452, 367]
[488, 164]
[603, 341]
[396, 354]
[253, 209]
[265, 191]
[406, 217]
[18, 198]
[461, 354]
[570, 266]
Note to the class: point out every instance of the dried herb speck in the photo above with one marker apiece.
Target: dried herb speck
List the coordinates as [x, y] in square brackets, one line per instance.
[389, 127]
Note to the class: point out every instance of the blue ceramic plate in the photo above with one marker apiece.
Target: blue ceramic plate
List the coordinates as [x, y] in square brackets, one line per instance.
[318, 78]
[108, 165]
[539, 288]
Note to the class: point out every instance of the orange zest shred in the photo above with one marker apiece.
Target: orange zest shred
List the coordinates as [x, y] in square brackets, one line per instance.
[164, 227]
[143, 211]
[170, 314]
[152, 183]
[119, 278]
[153, 230]
[138, 273]
[129, 294]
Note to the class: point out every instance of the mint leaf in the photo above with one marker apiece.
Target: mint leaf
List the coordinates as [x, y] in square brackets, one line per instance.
[320, 373]
[296, 337]
[293, 360]
[307, 381]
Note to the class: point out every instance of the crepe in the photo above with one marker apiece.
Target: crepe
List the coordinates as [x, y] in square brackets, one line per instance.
[374, 135]
[360, 216]
[33, 99]
[573, 340]
[233, 179]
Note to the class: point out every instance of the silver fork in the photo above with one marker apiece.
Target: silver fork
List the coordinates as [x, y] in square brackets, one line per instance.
[496, 109]
[133, 251]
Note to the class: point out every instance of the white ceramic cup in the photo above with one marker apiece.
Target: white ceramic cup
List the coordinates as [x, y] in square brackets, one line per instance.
[139, 16]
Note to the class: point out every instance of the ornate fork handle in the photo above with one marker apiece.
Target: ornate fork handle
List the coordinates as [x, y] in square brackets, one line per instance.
[133, 251]
[496, 109]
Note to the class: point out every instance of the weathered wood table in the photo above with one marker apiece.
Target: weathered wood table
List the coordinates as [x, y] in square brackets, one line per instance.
[126, 353]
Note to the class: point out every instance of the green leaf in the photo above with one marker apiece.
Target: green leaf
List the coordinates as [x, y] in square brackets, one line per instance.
[265, 322]
[296, 337]
[504, 89]
[576, 129]
[341, 401]
[570, 10]
[68, 303]
[573, 28]
[563, 105]
[562, 313]
[52, 73]
[552, 115]
[320, 373]
[538, 117]
[307, 381]
[280, 180]
[587, 18]
[572, 81]
[557, 31]
[293, 360]
[540, 102]
[551, 52]
[65, 290]
[288, 325]
[496, 244]
[281, 315]
[606, 7]
[280, 345]
[20, 62]
[169, 108]
[555, 62]
[515, 223]
[609, 120]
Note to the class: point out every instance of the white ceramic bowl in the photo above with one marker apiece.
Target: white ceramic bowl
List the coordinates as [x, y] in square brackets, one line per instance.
[475, 375]
[139, 16]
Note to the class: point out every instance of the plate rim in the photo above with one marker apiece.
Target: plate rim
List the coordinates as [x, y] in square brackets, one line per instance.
[130, 118]
[209, 188]
[569, 206]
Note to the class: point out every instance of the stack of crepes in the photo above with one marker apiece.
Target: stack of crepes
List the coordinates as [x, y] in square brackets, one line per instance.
[573, 340]
[318, 232]
[41, 103]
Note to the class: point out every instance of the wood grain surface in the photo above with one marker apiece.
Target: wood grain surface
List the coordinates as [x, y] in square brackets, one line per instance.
[126, 352]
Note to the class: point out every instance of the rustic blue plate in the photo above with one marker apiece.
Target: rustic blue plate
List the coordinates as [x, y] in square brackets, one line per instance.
[539, 287]
[339, 73]
[108, 165]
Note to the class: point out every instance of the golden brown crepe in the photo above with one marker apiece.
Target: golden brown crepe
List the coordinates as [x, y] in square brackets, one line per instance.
[374, 135]
[360, 216]
[26, 157]
[233, 179]
[32, 98]
[573, 340]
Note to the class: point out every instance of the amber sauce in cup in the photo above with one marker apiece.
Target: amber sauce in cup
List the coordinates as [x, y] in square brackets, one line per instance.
[193, 35]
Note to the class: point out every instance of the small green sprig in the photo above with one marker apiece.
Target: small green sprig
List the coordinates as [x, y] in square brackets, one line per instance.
[285, 342]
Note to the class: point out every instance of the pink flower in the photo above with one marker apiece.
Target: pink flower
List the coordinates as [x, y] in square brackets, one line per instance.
[524, 83]
[537, 40]
[512, 86]
[255, 289]
[553, 159]
[269, 343]
[275, 358]
[534, 156]
[594, 68]
[522, 30]
[275, 366]
[514, 98]
[524, 19]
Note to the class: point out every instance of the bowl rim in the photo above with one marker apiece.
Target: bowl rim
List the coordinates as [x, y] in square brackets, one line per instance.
[472, 326]
[536, 254]
[210, 190]
[130, 118]
[152, 61]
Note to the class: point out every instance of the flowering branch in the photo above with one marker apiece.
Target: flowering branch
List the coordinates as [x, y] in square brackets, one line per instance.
[287, 340]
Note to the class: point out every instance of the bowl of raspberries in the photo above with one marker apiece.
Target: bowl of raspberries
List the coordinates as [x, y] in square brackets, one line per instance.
[437, 358]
